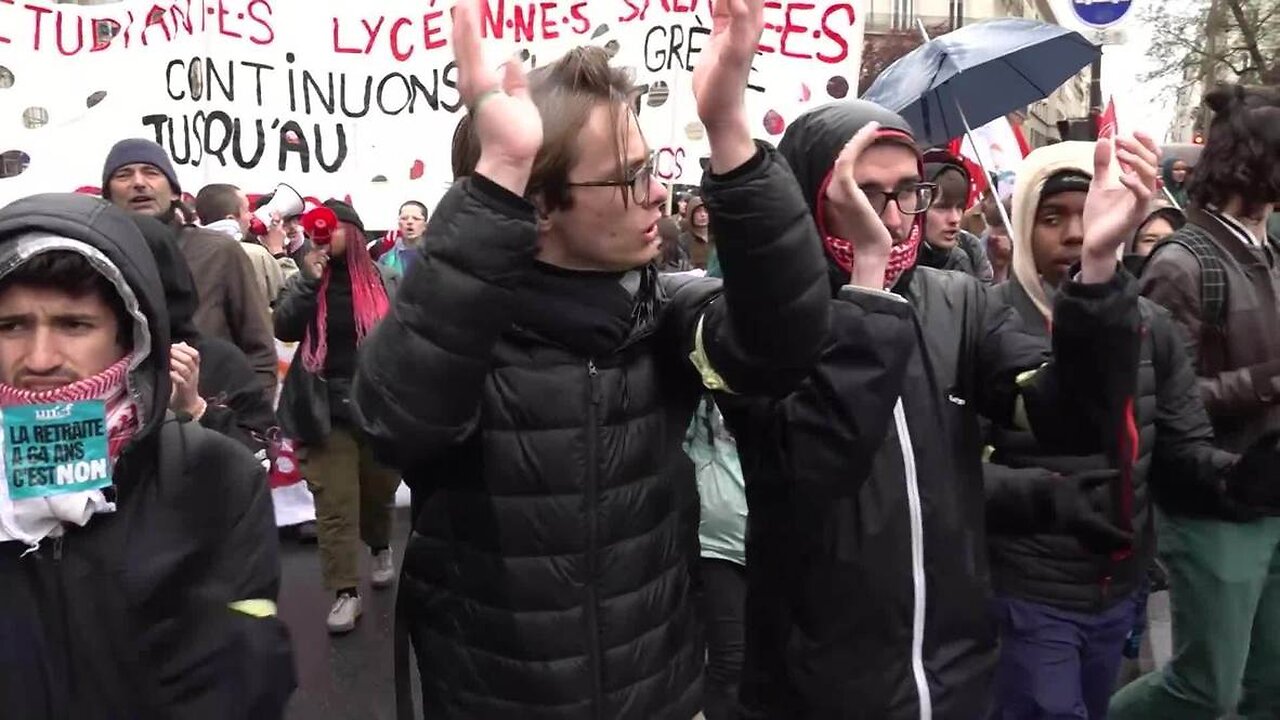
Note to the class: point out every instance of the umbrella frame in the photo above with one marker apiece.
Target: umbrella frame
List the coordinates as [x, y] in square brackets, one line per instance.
[968, 132]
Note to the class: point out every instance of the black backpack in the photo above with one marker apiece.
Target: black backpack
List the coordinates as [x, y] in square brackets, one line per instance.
[1213, 274]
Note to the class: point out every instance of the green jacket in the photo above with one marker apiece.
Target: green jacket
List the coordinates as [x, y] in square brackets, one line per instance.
[723, 527]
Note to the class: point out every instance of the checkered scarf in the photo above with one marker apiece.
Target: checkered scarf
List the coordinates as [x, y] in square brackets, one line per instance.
[108, 386]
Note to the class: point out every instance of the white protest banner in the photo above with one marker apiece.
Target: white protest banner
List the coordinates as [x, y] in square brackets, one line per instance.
[356, 99]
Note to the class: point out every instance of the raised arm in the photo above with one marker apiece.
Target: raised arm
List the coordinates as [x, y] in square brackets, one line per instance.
[418, 384]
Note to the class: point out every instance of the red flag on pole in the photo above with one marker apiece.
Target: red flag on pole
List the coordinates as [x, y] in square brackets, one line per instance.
[1107, 126]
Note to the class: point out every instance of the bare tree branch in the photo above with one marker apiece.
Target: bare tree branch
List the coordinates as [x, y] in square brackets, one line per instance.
[1245, 43]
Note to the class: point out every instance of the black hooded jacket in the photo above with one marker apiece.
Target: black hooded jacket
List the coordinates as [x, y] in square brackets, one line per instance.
[237, 401]
[867, 570]
[555, 512]
[165, 607]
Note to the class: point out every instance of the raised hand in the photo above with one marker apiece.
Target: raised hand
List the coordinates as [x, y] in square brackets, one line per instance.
[851, 217]
[184, 372]
[1118, 201]
[506, 121]
[720, 80]
[275, 238]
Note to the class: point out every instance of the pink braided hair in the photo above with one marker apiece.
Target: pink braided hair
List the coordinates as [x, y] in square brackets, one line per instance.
[368, 297]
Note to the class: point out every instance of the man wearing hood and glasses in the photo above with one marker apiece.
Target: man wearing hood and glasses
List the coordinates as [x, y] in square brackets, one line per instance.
[137, 554]
[866, 552]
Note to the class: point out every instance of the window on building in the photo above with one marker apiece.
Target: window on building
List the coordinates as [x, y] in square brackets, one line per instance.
[904, 14]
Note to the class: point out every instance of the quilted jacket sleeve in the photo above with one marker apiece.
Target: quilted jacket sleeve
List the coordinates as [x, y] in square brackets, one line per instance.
[418, 385]
[1076, 403]
[764, 332]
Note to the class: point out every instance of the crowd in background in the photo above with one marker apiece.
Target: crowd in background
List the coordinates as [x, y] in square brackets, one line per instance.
[832, 436]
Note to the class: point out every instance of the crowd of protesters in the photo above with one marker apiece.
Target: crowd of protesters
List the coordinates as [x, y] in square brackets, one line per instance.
[828, 437]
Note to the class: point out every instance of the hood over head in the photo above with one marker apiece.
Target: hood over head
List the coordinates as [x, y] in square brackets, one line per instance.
[686, 221]
[812, 143]
[1063, 159]
[180, 294]
[108, 237]
[1166, 173]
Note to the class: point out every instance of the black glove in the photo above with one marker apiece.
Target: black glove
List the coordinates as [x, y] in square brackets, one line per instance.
[1254, 482]
[1084, 505]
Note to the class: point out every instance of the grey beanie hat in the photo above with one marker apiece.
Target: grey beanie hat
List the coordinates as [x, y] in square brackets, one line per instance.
[137, 150]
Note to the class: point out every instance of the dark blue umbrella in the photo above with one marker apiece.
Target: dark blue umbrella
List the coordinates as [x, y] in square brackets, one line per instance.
[979, 73]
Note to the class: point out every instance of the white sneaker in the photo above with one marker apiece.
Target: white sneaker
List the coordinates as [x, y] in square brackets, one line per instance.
[384, 569]
[343, 614]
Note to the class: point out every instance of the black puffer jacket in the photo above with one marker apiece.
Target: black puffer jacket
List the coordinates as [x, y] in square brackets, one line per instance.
[867, 570]
[555, 513]
[1033, 556]
[131, 616]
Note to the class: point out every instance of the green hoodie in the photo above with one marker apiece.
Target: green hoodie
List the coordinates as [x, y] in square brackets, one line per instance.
[1178, 191]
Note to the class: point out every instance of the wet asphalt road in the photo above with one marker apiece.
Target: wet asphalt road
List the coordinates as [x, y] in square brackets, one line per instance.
[347, 677]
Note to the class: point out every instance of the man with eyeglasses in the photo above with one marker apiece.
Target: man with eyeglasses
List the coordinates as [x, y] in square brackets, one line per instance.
[867, 574]
[535, 377]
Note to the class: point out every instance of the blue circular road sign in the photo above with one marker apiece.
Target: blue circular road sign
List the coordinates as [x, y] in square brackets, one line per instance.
[1101, 13]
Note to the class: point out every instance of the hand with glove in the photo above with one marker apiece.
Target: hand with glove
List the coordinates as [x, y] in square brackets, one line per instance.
[1253, 485]
[1084, 506]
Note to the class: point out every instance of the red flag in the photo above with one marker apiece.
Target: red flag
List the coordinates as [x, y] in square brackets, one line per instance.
[1107, 126]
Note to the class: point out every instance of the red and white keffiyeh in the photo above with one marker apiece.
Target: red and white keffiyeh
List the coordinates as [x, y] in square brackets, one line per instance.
[108, 386]
[31, 520]
[902, 257]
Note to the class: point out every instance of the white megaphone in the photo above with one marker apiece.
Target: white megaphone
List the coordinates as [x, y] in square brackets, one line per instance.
[284, 200]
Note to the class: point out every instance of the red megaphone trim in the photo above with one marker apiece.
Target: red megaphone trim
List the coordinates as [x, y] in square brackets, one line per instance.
[319, 224]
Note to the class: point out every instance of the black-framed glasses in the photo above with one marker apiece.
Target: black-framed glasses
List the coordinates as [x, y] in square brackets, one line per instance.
[640, 181]
[910, 199]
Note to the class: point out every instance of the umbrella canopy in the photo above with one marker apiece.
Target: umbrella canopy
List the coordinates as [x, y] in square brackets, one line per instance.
[986, 69]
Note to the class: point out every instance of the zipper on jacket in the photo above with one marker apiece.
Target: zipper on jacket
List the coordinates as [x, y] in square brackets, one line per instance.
[55, 553]
[593, 500]
[917, 560]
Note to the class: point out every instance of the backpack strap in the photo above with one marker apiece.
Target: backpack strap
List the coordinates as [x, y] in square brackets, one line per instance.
[176, 442]
[173, 442]
[1213, 274]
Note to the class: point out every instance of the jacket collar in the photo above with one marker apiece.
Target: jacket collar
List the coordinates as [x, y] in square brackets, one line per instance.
[1225, 237]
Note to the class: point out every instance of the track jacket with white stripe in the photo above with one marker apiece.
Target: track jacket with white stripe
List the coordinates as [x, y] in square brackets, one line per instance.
[866, 553]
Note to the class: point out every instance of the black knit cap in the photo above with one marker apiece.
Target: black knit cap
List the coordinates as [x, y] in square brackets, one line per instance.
[345, 213]
[1065, 181]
